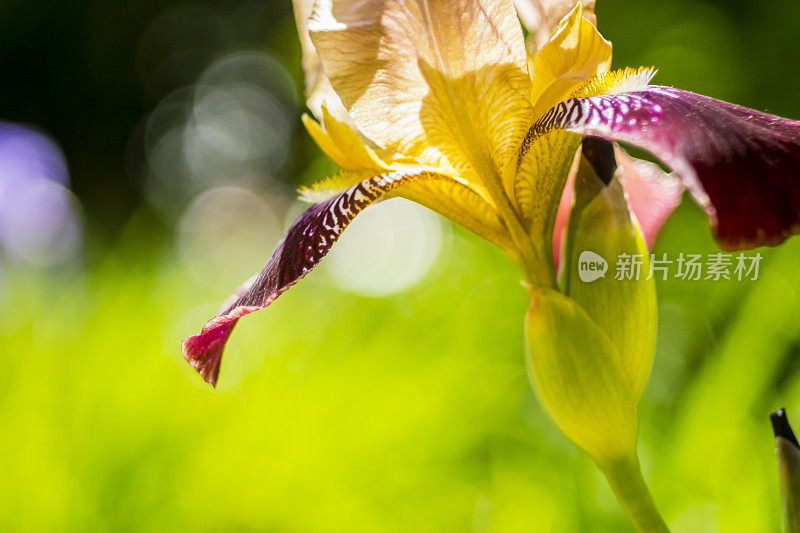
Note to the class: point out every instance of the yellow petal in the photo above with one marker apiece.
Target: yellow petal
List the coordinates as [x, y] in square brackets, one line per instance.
[445, 195]
[312, 67]
[575, 53]
[342, 144]
[461, 204]
[444, 82]
[544, 165]
[318, 88]
[542, 17]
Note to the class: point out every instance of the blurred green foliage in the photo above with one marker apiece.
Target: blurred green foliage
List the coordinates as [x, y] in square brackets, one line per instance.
[345, 413]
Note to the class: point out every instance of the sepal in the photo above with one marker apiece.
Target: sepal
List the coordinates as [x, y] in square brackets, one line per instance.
[578, 376]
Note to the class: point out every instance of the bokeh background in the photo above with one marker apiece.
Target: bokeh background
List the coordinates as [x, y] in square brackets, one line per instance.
[149, 153]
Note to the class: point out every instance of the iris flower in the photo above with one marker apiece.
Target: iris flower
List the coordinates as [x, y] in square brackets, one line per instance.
[443, 103]
[447, 109]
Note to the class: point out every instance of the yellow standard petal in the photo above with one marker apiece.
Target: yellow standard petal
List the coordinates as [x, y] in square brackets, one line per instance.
[318, 87]
[542, 17]
[575, 53]
[442, 81]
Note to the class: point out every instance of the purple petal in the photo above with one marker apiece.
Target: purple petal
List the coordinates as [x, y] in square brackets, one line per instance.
[303, 246]
[741, 165]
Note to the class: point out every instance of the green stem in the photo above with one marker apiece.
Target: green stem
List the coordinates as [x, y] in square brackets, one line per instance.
[625, 478]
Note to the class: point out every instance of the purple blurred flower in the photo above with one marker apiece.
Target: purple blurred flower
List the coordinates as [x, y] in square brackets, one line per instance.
[38, 215]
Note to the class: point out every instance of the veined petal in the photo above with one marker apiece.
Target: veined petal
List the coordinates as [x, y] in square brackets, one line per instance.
[544, 166]
[444, 82]
[541, 17]
[574, 53]
[445, 195]
[738, 163]
[303, 246]
[451, 198]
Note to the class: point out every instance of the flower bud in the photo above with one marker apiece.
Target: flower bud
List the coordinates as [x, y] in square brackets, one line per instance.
[578, 375]
[788, 452]
[590, 346]
[622, 302]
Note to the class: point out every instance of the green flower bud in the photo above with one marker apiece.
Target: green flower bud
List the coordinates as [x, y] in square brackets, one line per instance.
[579, 378]
[591, 346]
[788, 452]
[623, 302]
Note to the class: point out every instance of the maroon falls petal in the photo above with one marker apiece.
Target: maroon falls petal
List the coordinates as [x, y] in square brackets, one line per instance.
[741, 165]
[303, 246]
